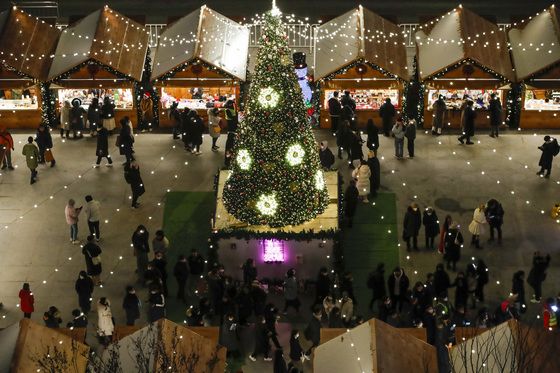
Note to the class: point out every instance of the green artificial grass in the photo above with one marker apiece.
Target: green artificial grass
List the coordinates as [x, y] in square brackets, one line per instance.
[186, 223]
[372, 240]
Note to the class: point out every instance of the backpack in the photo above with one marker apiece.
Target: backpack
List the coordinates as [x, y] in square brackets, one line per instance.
[556, 148]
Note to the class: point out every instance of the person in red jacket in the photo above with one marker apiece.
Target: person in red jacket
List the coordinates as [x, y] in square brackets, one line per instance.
[26, 301]
[549, 315]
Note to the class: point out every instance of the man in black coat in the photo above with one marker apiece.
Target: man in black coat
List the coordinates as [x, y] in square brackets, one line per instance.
[102, 149]
[347, 100]
[322, 286]
[313, 330]
[132, 177]
[181, 273]
[495, 217]
[326, 156]
[376, 282]
[161, 264]
[157, 304]
[335, 110]
[196, 268]
[387, 112]
[411, 226]
[398, 285]
[44, 142]
[537, 275]
[495, 110]
[351, 202]
[84, 287]
[131, 306]
[469, 117]
[375, 176]
[549, 151]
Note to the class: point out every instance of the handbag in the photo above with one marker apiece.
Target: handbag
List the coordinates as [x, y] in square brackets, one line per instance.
[49, 155]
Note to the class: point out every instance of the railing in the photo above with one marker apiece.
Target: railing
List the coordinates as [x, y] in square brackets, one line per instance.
[39, 9]
[504, 26]
[154, 30]
[299, 36]
[409, 29]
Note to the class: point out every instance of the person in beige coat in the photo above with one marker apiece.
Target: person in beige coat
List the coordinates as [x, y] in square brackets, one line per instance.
[476, 227]
[214, 126]
[362, 175]
[65, 118]
[105, 325]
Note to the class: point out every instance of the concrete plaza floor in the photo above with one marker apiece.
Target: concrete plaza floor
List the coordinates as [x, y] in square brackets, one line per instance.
[453, 178]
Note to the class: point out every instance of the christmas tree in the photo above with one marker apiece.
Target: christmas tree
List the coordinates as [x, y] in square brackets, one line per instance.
[276, 178]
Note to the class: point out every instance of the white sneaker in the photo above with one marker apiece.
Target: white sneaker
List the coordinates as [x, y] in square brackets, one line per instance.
[267, 359]
[95, 166]
[252, 358]
[76, 242]
[198, 153]
[109, 165]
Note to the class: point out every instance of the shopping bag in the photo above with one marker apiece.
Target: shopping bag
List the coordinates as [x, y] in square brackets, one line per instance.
[49, 155]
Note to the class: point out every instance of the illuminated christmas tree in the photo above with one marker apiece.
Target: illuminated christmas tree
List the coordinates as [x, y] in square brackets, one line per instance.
[276, 177]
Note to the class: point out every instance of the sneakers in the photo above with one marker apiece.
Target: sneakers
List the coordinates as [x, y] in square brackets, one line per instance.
[109, 165]
[198, 153]
[75, 242]
[461, 140]
[306, 357]
[267, 359]
[96, 166]
[252, 358]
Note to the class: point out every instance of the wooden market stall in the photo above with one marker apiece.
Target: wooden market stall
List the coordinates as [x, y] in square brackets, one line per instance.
[199, 62]
[461, 54]
[365, 54]
[102, 55]
[26, 44]
[535, 49]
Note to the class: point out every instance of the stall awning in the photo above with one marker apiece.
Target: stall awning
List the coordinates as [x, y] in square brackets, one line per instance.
[460, 36]
[26, 43]
[535, 45]
[360, 36]
[207, 36]
[104, 36]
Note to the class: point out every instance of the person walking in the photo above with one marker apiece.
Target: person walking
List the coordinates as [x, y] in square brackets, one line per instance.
[26, 301]
[44, 142]
[387, 113]
[125, 141]
[469, 116]
[72, 212]
[108, 114]
[537, 275]
[335, 110]
[157, 304]
[431, 226]
[84, 287]
[453, 243]
[313, 330]
[495, 110]
[262, 340]
[410, 134]
[141, 245]
[131, 306]
[411, 226]
[494, 213]
[398, 134]
[196, 268]
[482, 279]
[291, 291]
[102, 148]
[376, 282]
[92, 255]
[6, 148]
[105, 325]
[398, 285]
[550, 149]
[132, 177]
[326, 156]
[476, 227]
[94, 116]
[296, 352]
[439, 109]
[372, 131]
[181, 273]
[77, 114]
[351, 202]
[65, 119]
[362, 176]
[214, 127]
[31, 154]
[93, 216]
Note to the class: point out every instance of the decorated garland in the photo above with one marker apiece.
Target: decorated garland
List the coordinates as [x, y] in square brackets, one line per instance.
[197, 61]
[48, 113]
[358, 62]
[514, 101]
[413, 98]
[146, 87]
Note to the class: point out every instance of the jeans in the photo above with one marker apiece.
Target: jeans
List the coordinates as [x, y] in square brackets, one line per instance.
[74, 231]
[109, 160]
[214, 141]
[399, 144]
[93, 228]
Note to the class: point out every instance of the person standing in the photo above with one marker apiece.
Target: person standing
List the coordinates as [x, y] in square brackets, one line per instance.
[232, 118]
[376, 282]
[141, 244]
[6, 148]
[77, 114]
[313, 330]
[31, 154]
[93, 216]
[197, 130]
[131, 306]
[439, 108]
[196, 268]
[372, 131]
[72, 212]
[108, 114]
[291, 291]
[84, 287]
[441, 281]
[549, 315]
[214, 127]
[157, 304]
[79, 320]
[495, 217]
[181, 273]
[453, 243]
[446, 223]
[175, 117]
[105, 325]
[132, 177]
[469, 115]
[102, 149]
[375, 175]
[431, 227]
[518, 289]
[398, 285]
[125, 141]
[322, 286]
[411, 226]
[92, 255]
[44, 142]
[476, 227]
[26, 301]
[537, 275]
[52, 318]
[362, 176]
[94, 116]
[335, 109]
[398, 134]
[342, 138]
[549, 150]
[161, 264]
[410, 134]
[351, 202]
[387, 112]
[495, 109]
[160, 243]
[262, 340]
[326, 156]
[249, 271]
[228, 335]
[65, 119]
[482, 279]
[147, 113]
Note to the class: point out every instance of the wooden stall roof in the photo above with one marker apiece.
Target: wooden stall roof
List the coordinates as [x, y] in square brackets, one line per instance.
[204, 35]
[27, 43]
[360, 35]
[104, 36]
[460, 36]
[36, 341]
[330, 333]
[535, 45]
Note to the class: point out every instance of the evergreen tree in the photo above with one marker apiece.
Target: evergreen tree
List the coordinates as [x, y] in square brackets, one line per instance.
[276, 178]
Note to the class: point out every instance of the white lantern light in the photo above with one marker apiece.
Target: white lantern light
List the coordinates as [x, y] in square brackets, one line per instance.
[244, 159]
[267, 204]
[295, 154]
[268, 97]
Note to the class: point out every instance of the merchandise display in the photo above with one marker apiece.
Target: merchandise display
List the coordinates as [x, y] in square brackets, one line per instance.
[454, 98]
[196, 98]
[122, 98]
[541, 99]
[18, 99]
[368, 99]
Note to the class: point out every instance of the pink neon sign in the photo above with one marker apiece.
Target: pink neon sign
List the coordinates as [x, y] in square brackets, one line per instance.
[273, 251]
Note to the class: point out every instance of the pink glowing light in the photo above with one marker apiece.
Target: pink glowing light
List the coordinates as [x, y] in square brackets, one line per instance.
[273, 251]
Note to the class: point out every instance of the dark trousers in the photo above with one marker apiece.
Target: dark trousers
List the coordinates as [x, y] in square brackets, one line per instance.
[85, 303]
[263, 348]
[414, 243]
[494, 130]
[128, 156]
[130, 318]
[398, 301]
[545, 169]
[99, 157]
[42, 151]
[537, 288]
[27, 315]
[295, 303]
[429, 242]
[33, 176]
[410, 147]
[334, 123]
[182, 283]
[479, 292]
[452, 264]
[135, 197]
[499, 229]
[214, 141]
[465, 137]
[93, 228]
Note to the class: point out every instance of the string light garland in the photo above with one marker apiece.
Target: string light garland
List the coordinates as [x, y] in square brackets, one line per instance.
[146, 87]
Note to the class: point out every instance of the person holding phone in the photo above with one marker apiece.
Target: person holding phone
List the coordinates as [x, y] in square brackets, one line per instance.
[72, 212]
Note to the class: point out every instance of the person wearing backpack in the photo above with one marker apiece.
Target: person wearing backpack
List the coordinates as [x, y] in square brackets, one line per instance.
[550, 149]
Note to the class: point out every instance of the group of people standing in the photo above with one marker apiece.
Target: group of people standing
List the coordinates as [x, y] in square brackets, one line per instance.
[75, 118]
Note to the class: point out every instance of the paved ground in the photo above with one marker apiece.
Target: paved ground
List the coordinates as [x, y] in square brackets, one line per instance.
[34, 238]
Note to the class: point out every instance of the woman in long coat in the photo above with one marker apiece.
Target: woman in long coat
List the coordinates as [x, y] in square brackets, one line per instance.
[476, 227]
[214, 126]
[446, 224]
[108, 114]
[431, 226]
[362, 175]
[65, 119]
[439, 109]
[105, 326]
[453, 242]
[132, 177]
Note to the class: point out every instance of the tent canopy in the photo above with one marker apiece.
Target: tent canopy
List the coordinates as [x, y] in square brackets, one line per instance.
[360, 35]
[104, 36]
[374, 346]
[459, 36]
[535, 45]
[207, 36]
[26, 43]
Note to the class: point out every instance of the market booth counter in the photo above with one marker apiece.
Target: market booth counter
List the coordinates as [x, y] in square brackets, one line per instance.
[365, 54]
[463, 55]
[535, 49]
[26, 44]
[102, 55]
[200, 61]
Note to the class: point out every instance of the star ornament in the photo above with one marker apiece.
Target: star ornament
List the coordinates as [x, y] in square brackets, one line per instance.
[268, 98]
[244, 159]
[267, 204]
[294, 155]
